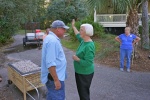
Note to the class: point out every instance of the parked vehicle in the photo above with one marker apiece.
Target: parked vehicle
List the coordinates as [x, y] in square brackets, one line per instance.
[34, 35]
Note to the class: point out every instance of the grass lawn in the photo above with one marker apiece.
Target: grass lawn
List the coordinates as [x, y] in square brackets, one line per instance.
[104, 46]
[70, 44]
[20, 32]
[74, 45]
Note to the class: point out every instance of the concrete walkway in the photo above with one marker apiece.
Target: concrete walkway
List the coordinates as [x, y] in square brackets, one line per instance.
[108, 83]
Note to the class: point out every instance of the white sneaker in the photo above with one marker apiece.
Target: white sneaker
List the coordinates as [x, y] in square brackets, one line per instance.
[128, 70]
[121, 69]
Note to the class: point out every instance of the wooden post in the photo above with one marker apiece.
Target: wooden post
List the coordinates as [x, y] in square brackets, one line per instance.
[24, 89]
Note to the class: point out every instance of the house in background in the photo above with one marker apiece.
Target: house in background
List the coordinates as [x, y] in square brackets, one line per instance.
[112, 21]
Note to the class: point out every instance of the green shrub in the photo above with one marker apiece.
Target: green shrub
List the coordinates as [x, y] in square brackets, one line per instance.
[2, 39]
[98, 29]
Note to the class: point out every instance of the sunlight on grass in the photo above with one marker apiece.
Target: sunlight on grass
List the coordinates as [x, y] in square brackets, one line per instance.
[20, 32]
[70, 44]
[98, 46]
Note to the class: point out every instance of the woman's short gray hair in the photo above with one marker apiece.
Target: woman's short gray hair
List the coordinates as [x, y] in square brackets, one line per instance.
[88, 29]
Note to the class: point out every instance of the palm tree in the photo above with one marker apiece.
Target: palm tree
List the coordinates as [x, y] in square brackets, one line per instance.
[129, 6]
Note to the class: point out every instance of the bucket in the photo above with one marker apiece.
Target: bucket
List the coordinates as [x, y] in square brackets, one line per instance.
[37, 30]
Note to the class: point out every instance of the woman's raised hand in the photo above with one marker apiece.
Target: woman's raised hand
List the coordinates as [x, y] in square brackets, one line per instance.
[73, 23]
[74, 28]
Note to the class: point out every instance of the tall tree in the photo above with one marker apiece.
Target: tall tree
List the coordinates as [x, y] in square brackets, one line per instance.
[145, 25]
[130, 6]
[14, 12]
[41, 13]
[66, 10]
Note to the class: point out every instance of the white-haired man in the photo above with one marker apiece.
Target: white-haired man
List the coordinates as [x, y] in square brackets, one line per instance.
[84, 60]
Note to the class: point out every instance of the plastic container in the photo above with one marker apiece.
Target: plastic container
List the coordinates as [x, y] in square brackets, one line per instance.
[37, 30]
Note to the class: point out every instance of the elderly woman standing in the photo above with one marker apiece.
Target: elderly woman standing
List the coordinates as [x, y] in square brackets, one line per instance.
[84, 60]
[126, 40]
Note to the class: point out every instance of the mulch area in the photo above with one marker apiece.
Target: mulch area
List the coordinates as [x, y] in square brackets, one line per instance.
[140, 63]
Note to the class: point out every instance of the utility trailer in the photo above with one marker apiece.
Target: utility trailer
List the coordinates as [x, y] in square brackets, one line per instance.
[33, 34]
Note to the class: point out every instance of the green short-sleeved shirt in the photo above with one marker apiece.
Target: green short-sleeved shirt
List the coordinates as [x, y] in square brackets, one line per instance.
[86, 53]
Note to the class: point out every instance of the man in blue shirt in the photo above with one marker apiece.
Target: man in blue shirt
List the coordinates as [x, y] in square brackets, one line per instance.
[126, 40]
[53, 67]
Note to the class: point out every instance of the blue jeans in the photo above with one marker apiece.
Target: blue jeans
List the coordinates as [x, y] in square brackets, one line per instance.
[125, 53]
[53, 94]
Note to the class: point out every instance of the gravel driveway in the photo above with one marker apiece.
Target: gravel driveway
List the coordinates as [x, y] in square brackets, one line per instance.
[108, 83]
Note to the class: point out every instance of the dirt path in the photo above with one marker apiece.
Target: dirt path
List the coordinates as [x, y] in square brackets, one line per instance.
[108, 83]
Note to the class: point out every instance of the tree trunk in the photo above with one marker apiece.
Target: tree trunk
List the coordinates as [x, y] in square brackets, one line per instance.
[145, 26]
[133, 21]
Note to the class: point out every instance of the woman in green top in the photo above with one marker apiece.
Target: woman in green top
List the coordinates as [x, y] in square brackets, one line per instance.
[84, 60]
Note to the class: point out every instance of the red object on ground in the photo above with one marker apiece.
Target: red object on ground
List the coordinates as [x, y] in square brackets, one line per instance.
[37, 30]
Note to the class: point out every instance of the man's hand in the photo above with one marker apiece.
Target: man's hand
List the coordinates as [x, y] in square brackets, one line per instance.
[57, 84]
[53, 73]
[74, 57]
